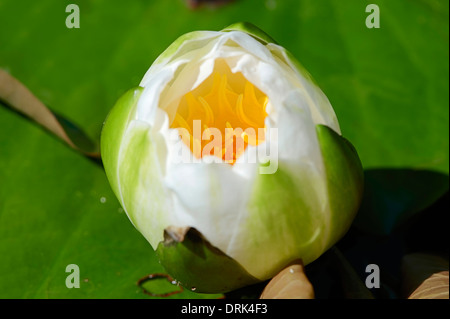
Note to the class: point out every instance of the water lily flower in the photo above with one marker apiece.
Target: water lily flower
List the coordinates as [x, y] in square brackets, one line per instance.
[229, 159]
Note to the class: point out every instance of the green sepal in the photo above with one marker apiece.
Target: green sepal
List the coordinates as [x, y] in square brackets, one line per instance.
[113, 132]
[345, 179]
[197, 265]
[252, 30]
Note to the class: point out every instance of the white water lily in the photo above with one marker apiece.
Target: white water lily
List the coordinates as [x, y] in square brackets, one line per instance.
[258, 220]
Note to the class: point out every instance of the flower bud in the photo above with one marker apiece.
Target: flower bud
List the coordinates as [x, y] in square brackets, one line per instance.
[229, 160]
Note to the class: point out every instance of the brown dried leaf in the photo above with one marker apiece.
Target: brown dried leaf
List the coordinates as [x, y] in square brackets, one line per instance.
[290, 283]
[425, 276]
[20, 98]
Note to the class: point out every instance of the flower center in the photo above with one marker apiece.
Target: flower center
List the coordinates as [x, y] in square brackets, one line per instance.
[222, 116]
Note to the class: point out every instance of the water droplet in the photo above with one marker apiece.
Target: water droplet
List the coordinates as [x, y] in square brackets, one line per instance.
[193, 289]
[291, 271]
[102, 200]
[174, 282]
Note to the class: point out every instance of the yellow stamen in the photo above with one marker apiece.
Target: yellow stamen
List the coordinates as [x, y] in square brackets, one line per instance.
[207, 109]
[231, 102]
[241, 114]
[182, 123]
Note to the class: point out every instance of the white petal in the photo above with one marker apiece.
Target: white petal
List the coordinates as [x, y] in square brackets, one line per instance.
[321, 109]
[210, 198]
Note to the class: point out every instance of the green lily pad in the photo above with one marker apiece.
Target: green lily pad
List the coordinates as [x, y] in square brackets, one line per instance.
[392, 196]
[389, 87]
